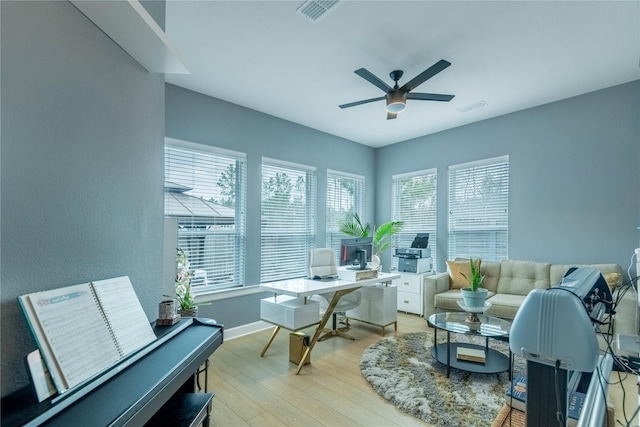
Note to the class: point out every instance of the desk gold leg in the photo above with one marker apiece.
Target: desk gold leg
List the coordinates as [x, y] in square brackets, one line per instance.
[327, 314]
[273, 335]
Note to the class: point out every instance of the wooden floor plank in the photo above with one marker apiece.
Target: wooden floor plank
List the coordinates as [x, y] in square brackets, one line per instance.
[264, 391]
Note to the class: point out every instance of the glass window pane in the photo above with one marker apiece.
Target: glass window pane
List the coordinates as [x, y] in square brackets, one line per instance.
[345, 197]
[206, 192]
[287, 220]
[479, 210]
[415, 204]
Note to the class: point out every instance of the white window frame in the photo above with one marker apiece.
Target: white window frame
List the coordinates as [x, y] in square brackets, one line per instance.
[341, 206]
[414, 220]
[221, 251]
[287, 232]
[478, 222]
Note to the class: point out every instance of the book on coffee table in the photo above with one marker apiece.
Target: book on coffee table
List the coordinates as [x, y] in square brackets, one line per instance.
[517, 394]
[471, 354]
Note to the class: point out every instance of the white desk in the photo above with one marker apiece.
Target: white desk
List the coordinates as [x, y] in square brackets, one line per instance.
[303, 288]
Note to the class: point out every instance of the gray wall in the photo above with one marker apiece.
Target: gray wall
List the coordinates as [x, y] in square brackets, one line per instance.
[574, 175]
[81, 165]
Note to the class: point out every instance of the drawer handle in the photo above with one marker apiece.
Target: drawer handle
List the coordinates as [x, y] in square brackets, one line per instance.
[407, 283]
[406, 302]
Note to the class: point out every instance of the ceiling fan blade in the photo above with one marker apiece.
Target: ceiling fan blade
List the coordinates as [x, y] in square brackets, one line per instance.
[391, 116]
[425, 75]
[430, 97]
[366, 101]
[368, 76]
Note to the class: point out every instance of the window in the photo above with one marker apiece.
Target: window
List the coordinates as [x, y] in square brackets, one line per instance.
[205, 191]
[288, 220]
[345, 197]
[479, 209]
[414, 203]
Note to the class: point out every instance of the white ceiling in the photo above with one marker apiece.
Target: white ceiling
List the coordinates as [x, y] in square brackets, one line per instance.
[512, 55]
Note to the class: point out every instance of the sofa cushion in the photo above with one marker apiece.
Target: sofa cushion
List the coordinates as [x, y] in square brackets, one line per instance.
[448, 300]
[504, 306]
[521, 277]
[459, 270]
[608, 271]
[491, 273]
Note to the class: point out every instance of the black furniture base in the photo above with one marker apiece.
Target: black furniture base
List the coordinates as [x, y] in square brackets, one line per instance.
[495, 362]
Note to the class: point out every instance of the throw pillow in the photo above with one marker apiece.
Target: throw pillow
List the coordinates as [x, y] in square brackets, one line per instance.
[612, 279]
[456, 270]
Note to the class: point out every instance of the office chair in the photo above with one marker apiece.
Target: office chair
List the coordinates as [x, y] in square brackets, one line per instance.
[322, 263]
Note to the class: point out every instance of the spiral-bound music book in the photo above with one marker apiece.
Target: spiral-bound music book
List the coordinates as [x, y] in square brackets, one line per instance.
[83, 329]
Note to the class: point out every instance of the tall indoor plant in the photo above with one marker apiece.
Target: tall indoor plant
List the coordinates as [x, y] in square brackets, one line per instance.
[381, 237]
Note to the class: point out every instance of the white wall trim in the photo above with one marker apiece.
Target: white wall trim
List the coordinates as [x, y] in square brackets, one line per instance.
[228, 293]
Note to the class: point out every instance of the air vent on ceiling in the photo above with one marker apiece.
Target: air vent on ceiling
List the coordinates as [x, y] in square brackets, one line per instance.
[472, 107]
[315, 9]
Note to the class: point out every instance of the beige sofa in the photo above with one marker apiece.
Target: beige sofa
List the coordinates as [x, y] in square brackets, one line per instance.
[508, 283]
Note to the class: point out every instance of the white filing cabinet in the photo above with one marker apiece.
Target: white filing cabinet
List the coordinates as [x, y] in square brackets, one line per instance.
[378, 306]
[410, 292]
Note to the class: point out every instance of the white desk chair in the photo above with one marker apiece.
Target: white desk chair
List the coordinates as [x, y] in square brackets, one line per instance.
[322, 263]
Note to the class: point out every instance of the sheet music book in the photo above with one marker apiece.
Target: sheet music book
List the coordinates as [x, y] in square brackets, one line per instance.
[83, 329]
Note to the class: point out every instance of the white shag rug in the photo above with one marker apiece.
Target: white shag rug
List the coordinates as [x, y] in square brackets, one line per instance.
[402, 370]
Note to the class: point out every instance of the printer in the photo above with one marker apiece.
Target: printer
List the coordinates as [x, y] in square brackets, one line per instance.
[412, 260]
[416, 259]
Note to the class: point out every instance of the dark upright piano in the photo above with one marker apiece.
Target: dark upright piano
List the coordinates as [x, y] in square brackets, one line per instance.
[153, 380]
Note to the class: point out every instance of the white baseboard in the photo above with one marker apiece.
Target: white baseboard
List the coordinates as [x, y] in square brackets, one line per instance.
[247, 329]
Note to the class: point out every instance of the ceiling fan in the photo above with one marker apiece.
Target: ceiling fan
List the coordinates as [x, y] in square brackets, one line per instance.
[397, 96]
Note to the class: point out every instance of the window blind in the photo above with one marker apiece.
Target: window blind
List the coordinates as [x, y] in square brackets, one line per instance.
[479, 210]
[415, 202]
[345, 196]
[287, 219]
[205, 190]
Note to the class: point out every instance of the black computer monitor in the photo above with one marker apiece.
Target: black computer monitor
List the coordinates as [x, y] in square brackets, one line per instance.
[356, 252]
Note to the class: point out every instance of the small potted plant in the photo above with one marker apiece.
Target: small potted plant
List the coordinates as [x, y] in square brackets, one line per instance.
[475, 295]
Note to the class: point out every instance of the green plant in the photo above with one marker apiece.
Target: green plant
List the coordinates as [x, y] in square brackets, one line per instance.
[475, 279]
[355, 227]
[381, 237]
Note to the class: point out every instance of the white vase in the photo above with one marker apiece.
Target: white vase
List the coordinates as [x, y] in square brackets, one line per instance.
[474, 299]
[375, 264]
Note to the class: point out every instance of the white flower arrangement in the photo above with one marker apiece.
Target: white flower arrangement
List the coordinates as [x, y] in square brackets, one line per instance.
[183, 281]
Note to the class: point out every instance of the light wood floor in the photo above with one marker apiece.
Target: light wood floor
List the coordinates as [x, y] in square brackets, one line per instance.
[264, 391]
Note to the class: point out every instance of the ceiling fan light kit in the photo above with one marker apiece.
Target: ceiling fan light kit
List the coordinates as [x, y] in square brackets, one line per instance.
[396, 101]
[396, 96]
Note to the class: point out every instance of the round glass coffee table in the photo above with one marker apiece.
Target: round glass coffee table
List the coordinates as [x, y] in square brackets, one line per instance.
[470, 357]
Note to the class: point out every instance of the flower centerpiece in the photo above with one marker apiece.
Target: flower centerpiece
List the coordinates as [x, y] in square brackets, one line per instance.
[186, 301]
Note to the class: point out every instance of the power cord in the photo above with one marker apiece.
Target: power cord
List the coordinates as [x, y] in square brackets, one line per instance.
[632, 280]
[559, 411]
[628, 364]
